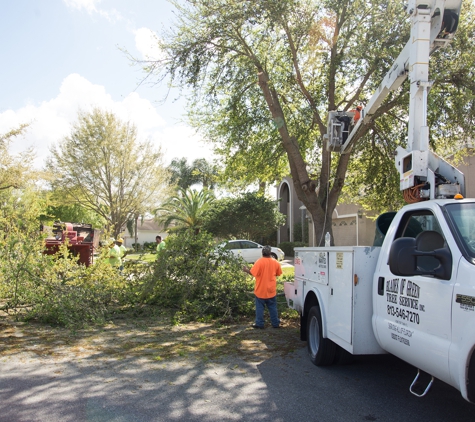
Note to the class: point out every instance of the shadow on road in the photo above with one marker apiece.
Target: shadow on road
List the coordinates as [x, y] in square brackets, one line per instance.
[372, 388]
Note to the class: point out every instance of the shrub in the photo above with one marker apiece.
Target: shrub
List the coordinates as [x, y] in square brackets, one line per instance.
[50, 288]
[197, 281]
[21, 247]
[69, 294]
[150, 246]
[190, 277]
[288, 247]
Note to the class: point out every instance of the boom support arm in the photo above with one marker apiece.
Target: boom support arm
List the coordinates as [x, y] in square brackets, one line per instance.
[433, 26]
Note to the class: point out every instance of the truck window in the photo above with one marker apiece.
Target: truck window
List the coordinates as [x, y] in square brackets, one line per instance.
[416, 222]
[462, 219]
[423, 226]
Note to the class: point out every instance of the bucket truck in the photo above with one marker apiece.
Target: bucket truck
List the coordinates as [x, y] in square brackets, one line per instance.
[414, 295]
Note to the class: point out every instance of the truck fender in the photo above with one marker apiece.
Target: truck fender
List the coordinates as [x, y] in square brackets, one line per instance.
[312, 298]
[465, 358]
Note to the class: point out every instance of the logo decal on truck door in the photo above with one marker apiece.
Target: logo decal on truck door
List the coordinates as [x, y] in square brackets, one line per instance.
[400, 333]
[467, 303]
[405, 293]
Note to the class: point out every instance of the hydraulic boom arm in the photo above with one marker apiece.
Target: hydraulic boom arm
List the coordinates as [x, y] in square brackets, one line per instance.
[433, 24]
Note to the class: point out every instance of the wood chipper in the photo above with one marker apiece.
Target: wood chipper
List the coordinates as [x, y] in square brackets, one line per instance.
[79, 238]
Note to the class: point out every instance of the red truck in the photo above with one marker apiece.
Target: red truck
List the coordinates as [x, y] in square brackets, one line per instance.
[79, 238]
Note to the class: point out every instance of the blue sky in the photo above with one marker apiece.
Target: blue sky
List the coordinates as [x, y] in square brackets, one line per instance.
[60, 56]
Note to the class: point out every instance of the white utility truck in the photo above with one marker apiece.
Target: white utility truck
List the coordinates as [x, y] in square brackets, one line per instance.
[413, 296]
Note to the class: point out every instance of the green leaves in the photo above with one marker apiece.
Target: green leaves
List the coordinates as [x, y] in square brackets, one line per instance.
[264, 75]
[15, 170]
[103, 167]
[185, 210]
[248, 216]
[199, 172]
[196, 281]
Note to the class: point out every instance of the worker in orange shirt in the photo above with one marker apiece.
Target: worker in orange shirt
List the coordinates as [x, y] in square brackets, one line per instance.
[357, 115]
[265, 270]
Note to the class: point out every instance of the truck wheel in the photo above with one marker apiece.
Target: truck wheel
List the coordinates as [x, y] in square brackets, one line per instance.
[470, 380]
[343, 357]
[321, 350]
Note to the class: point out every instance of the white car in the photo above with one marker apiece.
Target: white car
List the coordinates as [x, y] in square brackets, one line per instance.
[250, 251]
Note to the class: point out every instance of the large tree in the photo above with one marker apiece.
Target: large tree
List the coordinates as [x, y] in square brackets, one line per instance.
[181, 173]
[205, 173]
[103, 167]
[247, 216]
[264, 75]
[16, 170]
[71, 213]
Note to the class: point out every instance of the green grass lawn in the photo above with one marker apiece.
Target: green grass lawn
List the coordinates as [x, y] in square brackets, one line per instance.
[147, 257]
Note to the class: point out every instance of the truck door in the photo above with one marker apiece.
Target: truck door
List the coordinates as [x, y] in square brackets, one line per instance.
[412, 315]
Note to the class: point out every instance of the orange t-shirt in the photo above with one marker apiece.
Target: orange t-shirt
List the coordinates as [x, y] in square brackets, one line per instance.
[265, 270]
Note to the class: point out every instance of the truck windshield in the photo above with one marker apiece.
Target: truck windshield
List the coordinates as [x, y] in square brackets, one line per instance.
[462, 217]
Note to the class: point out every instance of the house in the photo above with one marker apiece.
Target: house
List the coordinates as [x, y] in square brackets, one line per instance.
[146, 232]
[350, 224]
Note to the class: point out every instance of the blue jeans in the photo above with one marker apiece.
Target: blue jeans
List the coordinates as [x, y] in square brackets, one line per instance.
[271, 306]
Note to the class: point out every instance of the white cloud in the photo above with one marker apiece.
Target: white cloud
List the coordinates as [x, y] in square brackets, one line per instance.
[146, 42]
[51, 120]
[90, 6]
[180, 141]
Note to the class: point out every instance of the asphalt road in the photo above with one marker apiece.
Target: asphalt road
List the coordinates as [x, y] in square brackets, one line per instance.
[36, 388]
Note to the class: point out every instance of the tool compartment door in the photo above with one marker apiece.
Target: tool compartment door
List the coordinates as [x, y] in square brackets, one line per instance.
[294, 294]
[340, 301]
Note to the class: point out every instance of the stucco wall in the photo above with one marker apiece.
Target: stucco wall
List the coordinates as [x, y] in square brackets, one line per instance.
[468, 169]
[351, 226]
[146, 232]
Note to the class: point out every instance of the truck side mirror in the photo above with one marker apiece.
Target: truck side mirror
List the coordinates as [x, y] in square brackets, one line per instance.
[402, 259]
[405, 260]
[444, 270]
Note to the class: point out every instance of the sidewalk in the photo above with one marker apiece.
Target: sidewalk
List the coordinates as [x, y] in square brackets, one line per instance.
[287, 262]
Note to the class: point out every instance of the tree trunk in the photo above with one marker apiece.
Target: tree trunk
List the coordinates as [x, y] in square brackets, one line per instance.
[136, 239]
[320, 203]
[322, 225]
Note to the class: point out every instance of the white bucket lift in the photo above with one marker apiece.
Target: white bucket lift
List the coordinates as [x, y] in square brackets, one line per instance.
[340, 124]
[423, 175]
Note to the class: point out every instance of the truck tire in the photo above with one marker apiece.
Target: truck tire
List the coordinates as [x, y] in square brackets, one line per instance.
[343, 357]
[471, 380]
[321, 350]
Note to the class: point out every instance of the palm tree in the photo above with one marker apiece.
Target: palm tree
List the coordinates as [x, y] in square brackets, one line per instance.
[181, 173]
[185, 209]
[204, 172]
[199, 172]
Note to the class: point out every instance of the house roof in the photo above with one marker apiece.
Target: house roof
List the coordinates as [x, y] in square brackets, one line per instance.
[150, 224]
